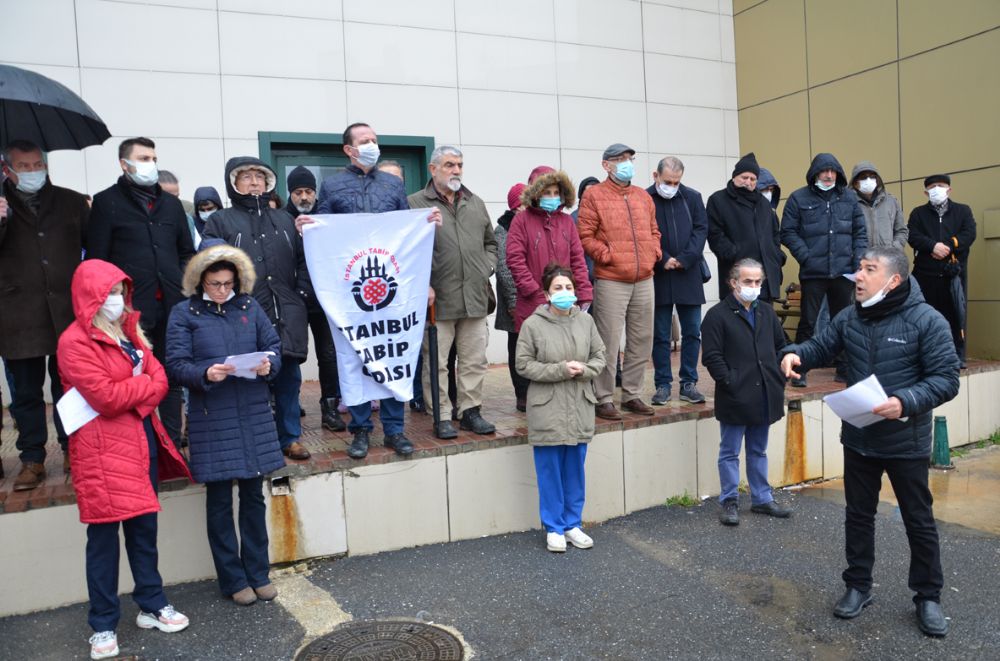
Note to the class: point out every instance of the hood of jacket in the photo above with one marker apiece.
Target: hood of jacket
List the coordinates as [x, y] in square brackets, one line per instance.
[206, 194]
[765, 180]
[92, 282]
[585, 183]
[868, 166]
[533, 193]
[546, 313]
[219, 252]
[825, 161]
[237, 165]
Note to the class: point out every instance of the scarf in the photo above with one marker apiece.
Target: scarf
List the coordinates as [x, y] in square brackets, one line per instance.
[894, 299]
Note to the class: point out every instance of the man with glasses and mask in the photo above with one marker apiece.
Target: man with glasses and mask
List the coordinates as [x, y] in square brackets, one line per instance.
[617, 225]
[40, 245]
[143, 230]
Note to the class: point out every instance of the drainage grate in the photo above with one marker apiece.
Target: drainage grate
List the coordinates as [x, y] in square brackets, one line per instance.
[399, 640]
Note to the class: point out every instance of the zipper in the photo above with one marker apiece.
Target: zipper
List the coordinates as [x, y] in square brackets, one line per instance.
[287, 240]
[635, 242]
[239, 238]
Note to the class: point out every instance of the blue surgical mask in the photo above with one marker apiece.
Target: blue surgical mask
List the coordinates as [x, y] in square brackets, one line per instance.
[563, 300]
[624, 171]
[825, 187]
[31, 182]
[550, 204]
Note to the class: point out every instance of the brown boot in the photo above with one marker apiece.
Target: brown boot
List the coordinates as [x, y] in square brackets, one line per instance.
[638, 406]
[297, 451]
[244, 597]
[607, 411]
[31, 476]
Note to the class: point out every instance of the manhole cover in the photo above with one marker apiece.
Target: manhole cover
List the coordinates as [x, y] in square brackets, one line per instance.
[376, 640]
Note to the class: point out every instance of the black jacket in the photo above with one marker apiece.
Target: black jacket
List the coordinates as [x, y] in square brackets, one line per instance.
[911, 352]
[825, 231]
[926, 229]
[151, 245]
[743, 360]
[683, 230]
[743, 225]
[268, 236]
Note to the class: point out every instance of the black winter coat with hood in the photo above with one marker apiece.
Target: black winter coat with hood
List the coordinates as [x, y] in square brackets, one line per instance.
[268, 236]
[824, 230]
[908, 346]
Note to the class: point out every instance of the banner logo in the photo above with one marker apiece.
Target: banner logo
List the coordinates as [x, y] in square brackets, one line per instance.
[375, 289]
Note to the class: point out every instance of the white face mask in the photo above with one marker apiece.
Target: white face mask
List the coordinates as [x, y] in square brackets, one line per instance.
[146, 172]
[368, 154]
[867, 185]
[31, 182]
[113, 307]
[748, 294]
[937, 194]
[767, 195]
[878, 297]
[825, 187]
[205, 214]
[667, 191]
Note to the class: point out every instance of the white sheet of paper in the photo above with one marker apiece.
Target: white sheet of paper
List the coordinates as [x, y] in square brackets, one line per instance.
[854, 405]
[246, 362]
[853, 277]
[74, 411]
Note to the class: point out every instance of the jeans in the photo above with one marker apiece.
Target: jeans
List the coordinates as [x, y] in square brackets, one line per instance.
[286, 387]
[28, 405]
[690, 318]
[326, 355]
[756, 457]
[390, 413]
[238, 563]
[519, 382]
[561, 485]
[862, 482]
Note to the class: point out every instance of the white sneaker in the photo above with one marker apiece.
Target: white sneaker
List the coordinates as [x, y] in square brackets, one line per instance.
[555, 542]
[168, 620]
[579, 539]
[103, 645]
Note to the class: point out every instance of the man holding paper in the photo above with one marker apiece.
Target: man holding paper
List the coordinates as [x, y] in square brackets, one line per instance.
[892, 333]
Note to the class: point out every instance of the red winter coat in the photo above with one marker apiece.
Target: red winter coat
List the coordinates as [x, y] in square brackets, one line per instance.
[110, 454]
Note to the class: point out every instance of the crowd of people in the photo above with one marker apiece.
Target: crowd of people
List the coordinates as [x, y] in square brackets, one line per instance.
[135, 301]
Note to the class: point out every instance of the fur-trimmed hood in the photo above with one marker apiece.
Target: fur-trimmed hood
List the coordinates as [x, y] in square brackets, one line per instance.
[533, 192]
[222, 252]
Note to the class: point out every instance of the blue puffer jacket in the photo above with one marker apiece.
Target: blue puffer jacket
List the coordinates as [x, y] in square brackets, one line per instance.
[824, 231]
[230, 425]
[354, 191]
[910, 351]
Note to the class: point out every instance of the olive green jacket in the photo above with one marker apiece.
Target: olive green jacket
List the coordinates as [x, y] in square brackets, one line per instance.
[560, 407]
[465, 254]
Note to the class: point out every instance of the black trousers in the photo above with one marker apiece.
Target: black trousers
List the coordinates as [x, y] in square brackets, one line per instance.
[28, 405]
[173, 404]
[519, 382]
[862, 481]
[326, 355]
[839, 292]
[937, 293]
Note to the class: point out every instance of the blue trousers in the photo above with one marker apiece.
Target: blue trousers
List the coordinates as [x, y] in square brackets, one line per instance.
[756, 456]
[286, 387]
[689, 317]
[561, 485]
[390, 413]
[238, 563]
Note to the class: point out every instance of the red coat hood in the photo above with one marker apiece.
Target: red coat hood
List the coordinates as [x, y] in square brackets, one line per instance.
[92, 283]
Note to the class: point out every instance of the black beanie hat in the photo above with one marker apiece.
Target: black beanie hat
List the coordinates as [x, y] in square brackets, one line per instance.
[937, 179]
[301, 177]
[747, 164]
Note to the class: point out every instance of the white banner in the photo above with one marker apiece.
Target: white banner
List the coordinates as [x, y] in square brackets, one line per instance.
[371, 273]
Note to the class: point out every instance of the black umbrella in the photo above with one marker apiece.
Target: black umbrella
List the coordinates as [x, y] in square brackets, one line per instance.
[432, 351]
[36, 108]
[954, 269]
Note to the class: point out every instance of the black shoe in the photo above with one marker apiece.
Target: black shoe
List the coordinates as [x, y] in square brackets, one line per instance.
[331, 418]
[931, 619]
[852, 603]
[729, 515]
[472, 421]
[445, 430]
[399, 443]
[417, 407]
[800, 382]
[359, 446]
[771, 509]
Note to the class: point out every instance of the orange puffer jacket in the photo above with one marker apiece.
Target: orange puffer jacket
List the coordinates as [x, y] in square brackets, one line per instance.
[618, 230]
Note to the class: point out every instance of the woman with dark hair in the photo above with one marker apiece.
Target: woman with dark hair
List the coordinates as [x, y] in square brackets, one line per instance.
[231, 429]
[120, 456]
[560, 352]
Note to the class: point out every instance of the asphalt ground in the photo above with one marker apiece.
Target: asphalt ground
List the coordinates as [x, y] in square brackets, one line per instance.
[664, 583]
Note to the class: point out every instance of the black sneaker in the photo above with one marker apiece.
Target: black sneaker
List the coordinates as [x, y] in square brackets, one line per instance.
[359, 446]
[771, 509]
[852, 603]
[472, 421]
[331, 418]
[399, 443]
[689, 393]
[729, 515]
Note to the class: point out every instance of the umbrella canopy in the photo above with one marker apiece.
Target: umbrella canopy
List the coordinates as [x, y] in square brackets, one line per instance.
[36, 108]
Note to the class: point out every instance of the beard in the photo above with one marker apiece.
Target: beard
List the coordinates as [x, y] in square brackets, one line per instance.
[455, 184]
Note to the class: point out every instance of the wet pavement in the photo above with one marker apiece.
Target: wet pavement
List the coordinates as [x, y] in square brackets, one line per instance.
[664, 583]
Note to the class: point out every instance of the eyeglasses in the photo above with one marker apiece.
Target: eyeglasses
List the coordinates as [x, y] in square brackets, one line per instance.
[251, 176]
[621, 159]
[220, 285]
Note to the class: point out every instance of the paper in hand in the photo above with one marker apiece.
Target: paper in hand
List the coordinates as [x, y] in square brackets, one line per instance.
[854, 405]
[246, 363]
[74, 411]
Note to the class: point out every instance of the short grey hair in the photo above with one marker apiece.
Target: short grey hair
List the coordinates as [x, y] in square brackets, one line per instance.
[745, 263]
[671, 163]
[168, 177]
[444, 150]
[893, 257]
[26, 146]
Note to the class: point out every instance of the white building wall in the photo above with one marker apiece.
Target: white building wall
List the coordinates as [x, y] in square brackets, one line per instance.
[514, 83]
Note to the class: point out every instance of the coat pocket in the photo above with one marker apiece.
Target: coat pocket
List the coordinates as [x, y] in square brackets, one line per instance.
[540, 394]
[588, 392]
